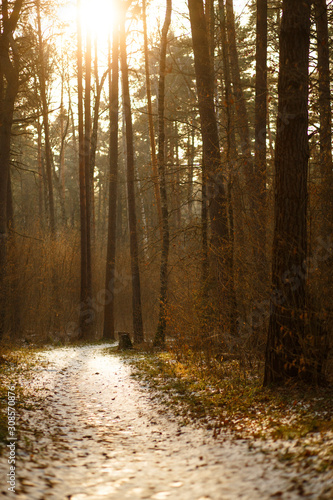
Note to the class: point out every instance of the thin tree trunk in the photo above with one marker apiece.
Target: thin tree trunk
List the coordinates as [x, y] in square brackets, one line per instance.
[161, 327]
[87, 143]
[286, 355]
[48, 151]
[240, 105]
[82, 180]
[40, 172]
[109, 325]
[325, 115]
[261, 132]
[231, 155]
[136, 288]
[154, 161]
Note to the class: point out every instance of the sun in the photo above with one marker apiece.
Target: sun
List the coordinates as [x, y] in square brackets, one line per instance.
[99, 16]
[96, 16]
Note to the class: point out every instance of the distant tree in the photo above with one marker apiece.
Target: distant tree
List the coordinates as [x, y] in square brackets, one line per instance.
[150, 120]
[132, 219]
[160, 334]
[108, 329]
[45, 112]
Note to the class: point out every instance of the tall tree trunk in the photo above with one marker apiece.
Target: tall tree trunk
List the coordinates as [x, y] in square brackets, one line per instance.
[231, 155]
[154, 161]
[240, 105]
[87, 143]
[136, 288]
[109, 326]
[63, 133]
[325, 115]
[259, 172]
[9, 77]
[161, 326]
[213, 175]
[261, 110]
[45, 111]
[83, 321]
[286, 356]
[40, 172]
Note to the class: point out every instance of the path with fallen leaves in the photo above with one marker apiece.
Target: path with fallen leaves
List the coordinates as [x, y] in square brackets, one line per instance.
[92, 432]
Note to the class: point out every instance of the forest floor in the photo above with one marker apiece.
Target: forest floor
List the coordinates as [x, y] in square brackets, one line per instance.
[92, 423]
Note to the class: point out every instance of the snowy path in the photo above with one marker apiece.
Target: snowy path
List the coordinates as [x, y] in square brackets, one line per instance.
[98, 434]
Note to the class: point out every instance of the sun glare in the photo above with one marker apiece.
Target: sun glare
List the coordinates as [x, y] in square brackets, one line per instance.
[98, 16]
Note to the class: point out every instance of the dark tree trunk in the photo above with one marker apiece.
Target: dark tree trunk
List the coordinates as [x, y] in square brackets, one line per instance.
[161, 327]
[84, 316]
[325, 115]
[231, 155]
[109, 330]
[286, 355]
[213, 181]
[240, 105]
[136, 288]
[211, 149]
[9, 77]
[261, 119]
[259, 172]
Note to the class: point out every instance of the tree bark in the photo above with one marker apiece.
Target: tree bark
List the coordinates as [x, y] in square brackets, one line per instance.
[154, 161]
[109, 326]
[286, 355]
[325, 115]
[9, 77]
[84, 315]
[136, 288]
[159, 340]
[48, 151]
[211, 149]
[261, 117]
[240, 105]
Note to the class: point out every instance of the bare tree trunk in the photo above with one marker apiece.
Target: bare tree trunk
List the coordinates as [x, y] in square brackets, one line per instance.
[9, 77]
[161, 327]
[83, 320]
[286, 355]
[40, 172]
[231, 155]
[136, 288]
[261, 135]
[63, 133]
[325, 115]
[211, 151]
[109, 326]
[87, 143]
[240, 105]
[48, 151]
[154, 161]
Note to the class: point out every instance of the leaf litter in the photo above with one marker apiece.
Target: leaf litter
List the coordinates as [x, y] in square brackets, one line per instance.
[88, 429]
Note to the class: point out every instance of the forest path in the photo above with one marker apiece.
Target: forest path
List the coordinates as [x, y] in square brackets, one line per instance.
[96, 433]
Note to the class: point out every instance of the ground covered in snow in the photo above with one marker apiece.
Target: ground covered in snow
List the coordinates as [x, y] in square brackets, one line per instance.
[88, 430]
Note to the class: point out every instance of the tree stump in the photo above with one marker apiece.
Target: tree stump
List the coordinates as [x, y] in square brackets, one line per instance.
[124, 341]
